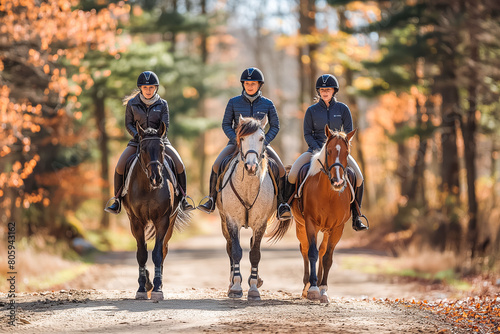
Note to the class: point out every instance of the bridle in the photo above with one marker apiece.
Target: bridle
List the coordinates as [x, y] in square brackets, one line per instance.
[153, 162]
[328, 171]
[259, 156]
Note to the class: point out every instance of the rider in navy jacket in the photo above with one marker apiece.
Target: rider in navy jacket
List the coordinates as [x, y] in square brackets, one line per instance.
[250, 103]
[241, 105]
[338, 117]
[148, 109]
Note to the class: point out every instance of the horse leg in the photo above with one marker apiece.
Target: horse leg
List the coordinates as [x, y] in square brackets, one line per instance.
[304, 247]
[158, 258]
[312, 254]
[235, 291]
[322, 251]
[254, 279]
[228, 250]
[142, 256]
[328, 261]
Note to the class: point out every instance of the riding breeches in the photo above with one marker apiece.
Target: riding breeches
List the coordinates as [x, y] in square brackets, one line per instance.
[130, 150]
[230, 148]
[306, 157]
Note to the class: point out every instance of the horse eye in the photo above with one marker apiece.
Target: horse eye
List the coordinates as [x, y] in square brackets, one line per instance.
[261, 139]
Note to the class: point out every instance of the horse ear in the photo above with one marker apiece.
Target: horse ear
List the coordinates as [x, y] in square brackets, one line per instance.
[139, 129]
[163, 129]
[263, 122]
[328, 132]
[351, 134]
[240, 119]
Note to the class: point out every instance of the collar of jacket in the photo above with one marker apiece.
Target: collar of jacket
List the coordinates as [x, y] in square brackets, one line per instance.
[332, 102]
[259, 95]
[137, 101]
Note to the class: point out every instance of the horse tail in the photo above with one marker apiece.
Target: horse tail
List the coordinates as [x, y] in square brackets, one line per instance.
[149, 231]
[280, 230]
[182, 219]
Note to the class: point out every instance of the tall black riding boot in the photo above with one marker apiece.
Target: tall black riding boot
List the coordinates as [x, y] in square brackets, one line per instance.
[181, 178]
[357, 223]
[116, 207]
[209, 206]
[284, 212]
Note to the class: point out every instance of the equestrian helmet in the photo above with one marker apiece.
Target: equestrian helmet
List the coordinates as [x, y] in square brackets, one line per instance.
[252, 74]
[327, 81]
[148, 78]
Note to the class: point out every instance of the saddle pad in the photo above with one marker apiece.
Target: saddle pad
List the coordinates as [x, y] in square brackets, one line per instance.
[301, 178]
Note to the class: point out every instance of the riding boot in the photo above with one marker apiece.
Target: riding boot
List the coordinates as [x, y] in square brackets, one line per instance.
[357, 223]
[209, 205]
[181, 178]
[284, 212]
[116, 207]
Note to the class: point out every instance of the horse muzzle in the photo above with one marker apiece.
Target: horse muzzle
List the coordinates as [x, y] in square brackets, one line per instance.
[338, 184]
[156, 181]
[251, 168]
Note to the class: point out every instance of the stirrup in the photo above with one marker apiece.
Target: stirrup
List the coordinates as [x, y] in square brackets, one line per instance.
[287, 214]
[107, 208]
[192, 206]
[367, 225]
[204, 209]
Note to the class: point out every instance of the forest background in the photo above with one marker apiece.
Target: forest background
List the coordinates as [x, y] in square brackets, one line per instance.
[420, 77]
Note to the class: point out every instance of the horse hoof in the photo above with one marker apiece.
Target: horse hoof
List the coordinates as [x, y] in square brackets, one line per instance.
[324, 299]
[253, 294]
[235, 293]
[313, 293]
[141, 295]
[157, 295]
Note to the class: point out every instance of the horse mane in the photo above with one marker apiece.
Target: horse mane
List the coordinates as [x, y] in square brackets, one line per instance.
[320, 155]
[246, 127]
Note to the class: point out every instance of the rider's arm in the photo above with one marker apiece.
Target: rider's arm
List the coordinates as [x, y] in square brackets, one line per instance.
[130, 121]
[274, 124]
[165, 116]
[227, 121]
[346, 119]
[309, 130]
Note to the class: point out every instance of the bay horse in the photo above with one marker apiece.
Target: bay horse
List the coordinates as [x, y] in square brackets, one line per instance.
[246, 199]
[152, 206]
[324, 206]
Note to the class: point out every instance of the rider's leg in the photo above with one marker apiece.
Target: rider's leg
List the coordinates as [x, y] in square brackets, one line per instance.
[357, 223]
[115, 208]
[294, 172]
[181, 175]
[209, 205]
[283, 211]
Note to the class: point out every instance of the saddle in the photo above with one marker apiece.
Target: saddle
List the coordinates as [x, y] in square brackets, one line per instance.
[133, 159]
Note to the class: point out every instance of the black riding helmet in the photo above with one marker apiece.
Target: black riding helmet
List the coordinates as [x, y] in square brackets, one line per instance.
[327, 81]
[148, 78]
[252, 74]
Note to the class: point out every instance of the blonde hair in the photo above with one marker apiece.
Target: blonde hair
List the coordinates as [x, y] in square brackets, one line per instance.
[130, 96]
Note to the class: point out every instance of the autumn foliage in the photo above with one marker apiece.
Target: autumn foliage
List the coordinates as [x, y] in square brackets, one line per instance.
[39, 41]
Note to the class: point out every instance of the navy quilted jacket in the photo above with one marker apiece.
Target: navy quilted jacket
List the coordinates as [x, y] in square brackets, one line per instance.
[337, 116]
[240, 105]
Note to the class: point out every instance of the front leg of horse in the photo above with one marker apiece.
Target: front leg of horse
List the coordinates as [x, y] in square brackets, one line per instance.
[142, 257]
[158, 258]
[254, 280]
[235, 290]
[313, 291]
[327, 263]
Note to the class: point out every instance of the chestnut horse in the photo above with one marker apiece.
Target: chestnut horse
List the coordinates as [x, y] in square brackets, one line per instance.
[324, 206]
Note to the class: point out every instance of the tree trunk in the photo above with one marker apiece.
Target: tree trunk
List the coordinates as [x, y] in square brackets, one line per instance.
[469, 127]
[201, 104]
[100, 119]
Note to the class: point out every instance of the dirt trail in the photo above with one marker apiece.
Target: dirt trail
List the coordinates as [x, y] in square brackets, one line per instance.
[196, 276]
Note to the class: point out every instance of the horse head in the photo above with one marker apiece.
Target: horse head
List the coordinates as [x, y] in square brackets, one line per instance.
[337, 149]
[250, 137]
[151, 149]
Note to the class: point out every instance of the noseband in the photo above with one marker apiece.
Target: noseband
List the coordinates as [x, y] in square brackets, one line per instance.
[154, 162]
[259, 156]
[328, 171]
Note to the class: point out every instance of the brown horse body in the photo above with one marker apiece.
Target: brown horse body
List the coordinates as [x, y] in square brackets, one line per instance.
[323, 207]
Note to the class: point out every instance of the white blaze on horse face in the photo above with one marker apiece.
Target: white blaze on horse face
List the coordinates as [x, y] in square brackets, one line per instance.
[252, 143]
[337, 160]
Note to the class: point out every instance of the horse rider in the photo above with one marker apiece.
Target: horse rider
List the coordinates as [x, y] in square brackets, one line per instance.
[337, 115]
[145, 106]
[250, 103]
